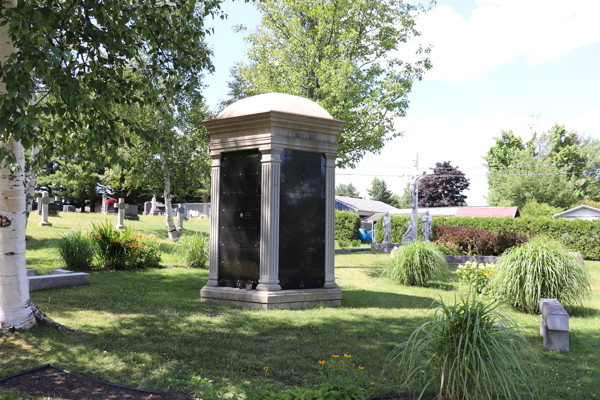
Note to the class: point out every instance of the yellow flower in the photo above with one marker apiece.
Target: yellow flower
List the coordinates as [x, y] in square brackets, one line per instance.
[341, 361]
[347, 355]
[321, 362]
[361, 367]
[266, 368]
[335, 356]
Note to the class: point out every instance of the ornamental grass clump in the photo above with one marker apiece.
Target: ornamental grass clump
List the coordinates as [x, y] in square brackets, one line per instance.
[470, 350]
[194, 250]
[77, 251]
[417, 264]
[540, 268]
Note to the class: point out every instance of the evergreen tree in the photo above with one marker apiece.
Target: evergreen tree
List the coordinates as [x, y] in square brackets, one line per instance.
[379, 191]
[346, 190]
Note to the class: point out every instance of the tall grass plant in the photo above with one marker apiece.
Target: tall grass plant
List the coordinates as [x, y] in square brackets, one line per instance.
[416, 264]
[540, 268]
[470, 351]
[194, 250]
[77, 250]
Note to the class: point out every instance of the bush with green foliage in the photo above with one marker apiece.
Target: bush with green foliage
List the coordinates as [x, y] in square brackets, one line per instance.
[471, 350]
[533, 209]
[416, 264]
[124, 250]
[347, 225]
[355, 243]
[577, 235]
[591, 203]
[194, 250]
[540, 268]
[476, 275]
[343, 243]
[77, 250]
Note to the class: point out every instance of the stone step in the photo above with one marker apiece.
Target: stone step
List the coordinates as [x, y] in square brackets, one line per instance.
[57, 280]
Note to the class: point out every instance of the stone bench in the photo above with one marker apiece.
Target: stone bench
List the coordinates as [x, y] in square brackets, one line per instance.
[554, 325]
[59, 277]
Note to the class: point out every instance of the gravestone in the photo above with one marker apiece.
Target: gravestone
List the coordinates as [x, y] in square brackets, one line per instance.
[147, 207]
[387, 228]
[554, 325]
[68, 208]
[43, 202]
[273, 204]
[427, 226]
[104, 203]
[121, 206]
[153, 207]
[180, 216]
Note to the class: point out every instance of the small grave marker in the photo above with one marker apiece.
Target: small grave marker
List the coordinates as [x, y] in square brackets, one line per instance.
[43, 202]
[554, 325]
[121, 206]
[180, 216]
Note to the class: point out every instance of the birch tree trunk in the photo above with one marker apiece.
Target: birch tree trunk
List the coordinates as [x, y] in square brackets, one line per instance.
[30, 186]
[173, 234]
[16, 310]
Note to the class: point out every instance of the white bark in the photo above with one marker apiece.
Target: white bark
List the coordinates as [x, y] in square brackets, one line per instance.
[16, 310]
[173, 234]
[15, 304]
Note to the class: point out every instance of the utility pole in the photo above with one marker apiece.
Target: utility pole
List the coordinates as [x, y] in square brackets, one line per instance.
[416, 196]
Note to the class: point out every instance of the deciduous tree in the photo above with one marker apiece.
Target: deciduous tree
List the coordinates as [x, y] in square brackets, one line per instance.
[444, 187]
[343, 55]
[346, 190]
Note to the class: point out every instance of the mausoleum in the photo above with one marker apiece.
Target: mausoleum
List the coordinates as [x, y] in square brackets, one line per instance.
[273, 202]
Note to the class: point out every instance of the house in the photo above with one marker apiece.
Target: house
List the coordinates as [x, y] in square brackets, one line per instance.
[363, 207]
[512, 212]
[580, 212]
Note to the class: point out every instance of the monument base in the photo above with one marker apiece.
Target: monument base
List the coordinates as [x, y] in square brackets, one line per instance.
[45, 223]
[120, 226]
[272, 300]
[384, 247]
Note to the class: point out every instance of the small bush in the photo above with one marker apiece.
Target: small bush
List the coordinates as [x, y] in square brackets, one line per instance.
[416, 264]
[124, 250]
[534, 209]
[343, 243]
[77, 250]
[471, 242]
[347, 225]
[194, 250]
[355, 243]
[471, 350]
[477, 275]
[540, 268]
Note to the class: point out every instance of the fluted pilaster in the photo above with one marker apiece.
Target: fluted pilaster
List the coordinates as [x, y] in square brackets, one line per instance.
[330, 221]
[269, 225]
[213, 274]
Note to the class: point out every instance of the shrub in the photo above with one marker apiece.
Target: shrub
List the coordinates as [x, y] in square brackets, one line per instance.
[343, 243]
[194, 250]
[471, 349]
[347, 225]
[477, 275]
[416, 264]
[77, 250]
[540, 268]
[355, 243]
[534, 209]
[469, 241]
[124, 250]
[591, 203]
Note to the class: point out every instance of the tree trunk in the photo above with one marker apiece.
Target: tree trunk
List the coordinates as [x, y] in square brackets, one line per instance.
[30, 186]
[173, 234]
[15, 304]
[16, 310]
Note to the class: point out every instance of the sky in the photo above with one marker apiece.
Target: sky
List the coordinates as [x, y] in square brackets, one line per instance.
[523, 65]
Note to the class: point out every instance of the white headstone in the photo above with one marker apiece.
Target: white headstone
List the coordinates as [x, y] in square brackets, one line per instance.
[153, 208]
[121, 206]
[43, 203]
[180, 216]
[104, 203]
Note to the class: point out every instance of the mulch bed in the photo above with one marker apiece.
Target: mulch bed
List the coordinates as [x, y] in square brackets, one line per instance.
[51, 381]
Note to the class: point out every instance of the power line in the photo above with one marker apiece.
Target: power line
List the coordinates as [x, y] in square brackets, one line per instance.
[488, 167]
[451, 176]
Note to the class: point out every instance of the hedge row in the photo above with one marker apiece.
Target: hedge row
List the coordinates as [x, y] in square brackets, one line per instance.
[475, 242]
[347, 225]
[577, 235]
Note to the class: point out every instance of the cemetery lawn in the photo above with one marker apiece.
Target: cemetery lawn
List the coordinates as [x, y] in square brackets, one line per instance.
[149, 329]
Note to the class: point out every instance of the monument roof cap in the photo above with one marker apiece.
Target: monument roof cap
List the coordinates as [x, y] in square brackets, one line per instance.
[274, 102]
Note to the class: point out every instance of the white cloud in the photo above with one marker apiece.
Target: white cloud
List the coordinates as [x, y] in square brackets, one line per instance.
[498, 32]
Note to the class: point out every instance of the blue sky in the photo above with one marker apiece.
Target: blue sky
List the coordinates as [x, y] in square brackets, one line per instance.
[497, 64]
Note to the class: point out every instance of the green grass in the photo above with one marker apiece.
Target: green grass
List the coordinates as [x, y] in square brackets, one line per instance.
[149, 328]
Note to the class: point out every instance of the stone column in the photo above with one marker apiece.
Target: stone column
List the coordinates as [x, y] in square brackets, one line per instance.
[43, 203]
[213, 274]
[269, 219]
[121, 206]
[330, 222]
[104, 207]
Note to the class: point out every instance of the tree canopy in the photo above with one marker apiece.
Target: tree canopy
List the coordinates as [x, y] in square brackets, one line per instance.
[552, 168]
[342, 55]
[347, 190]
[380, 192]
[444, 187]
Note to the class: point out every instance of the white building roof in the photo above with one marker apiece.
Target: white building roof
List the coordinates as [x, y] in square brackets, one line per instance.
[580, 211]
[366, 206]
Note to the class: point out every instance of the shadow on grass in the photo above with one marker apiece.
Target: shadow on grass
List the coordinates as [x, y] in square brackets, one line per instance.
[357, 298]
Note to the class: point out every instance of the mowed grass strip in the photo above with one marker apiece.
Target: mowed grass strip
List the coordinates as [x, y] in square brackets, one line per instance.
[149, 329]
